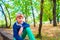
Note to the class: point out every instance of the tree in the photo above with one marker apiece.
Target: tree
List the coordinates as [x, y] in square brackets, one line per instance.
[33, 13]
[4, 15]
[8, 13]
[54, 13]
[41, 14]
[58, 11]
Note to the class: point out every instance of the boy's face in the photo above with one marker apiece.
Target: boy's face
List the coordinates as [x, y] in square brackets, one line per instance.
[19, 19]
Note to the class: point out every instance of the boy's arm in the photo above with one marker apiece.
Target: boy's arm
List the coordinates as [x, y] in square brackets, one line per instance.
[20, 31]
[16, 36]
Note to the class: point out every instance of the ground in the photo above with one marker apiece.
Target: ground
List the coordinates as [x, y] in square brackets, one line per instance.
[48, 31]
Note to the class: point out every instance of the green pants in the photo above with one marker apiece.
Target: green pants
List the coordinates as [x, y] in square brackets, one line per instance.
[28, 32]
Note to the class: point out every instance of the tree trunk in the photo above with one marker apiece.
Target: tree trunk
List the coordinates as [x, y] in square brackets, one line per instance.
[58, 18]
[26, 14]
[54, 13]
[25, 19]
[4, 16]
[41, 14]
[33, 14]
[8, 13]
[50, 21]
[58, 14]
[9, 16]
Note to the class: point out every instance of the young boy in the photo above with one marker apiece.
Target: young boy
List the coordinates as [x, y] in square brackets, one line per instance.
[20, 29]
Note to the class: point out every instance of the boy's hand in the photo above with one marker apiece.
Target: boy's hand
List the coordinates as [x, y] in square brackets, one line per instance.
[20, 31]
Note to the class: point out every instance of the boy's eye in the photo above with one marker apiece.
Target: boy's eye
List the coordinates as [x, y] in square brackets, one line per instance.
[19, 18]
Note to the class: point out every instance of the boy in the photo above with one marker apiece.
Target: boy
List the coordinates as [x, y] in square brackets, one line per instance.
[21, 28]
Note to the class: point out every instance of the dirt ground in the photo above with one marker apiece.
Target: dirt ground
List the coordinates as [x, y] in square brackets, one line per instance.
[47, 30]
